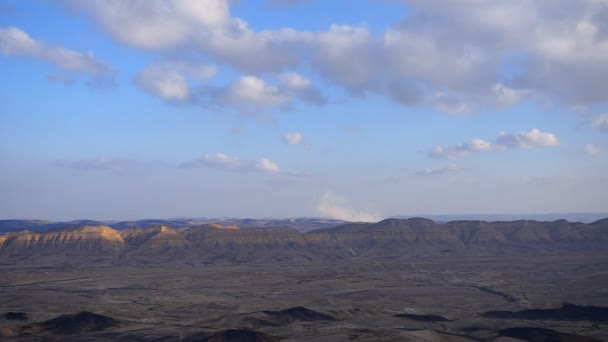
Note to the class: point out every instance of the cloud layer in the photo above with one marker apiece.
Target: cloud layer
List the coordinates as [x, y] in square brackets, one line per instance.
[456, 56]
[224, 162]
[505, 141]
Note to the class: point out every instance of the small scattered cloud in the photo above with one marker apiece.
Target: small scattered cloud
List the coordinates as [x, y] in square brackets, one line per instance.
[333, 206]
[600, 122]
[439, 171]
[461, 150]
[224, 162]
[592, 150]
[268, 166]
[16, 42]
[293, 138]
[505, 141]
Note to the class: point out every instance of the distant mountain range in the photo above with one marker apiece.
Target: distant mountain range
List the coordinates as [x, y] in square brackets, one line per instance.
[572, 217]
[300, 224]
[211, 243]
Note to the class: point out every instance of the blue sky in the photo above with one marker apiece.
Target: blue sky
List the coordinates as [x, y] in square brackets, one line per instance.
[355, 110]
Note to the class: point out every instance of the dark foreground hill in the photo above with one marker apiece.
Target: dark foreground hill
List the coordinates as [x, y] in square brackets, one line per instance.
[388, 238]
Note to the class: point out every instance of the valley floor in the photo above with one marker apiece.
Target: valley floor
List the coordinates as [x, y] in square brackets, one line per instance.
[369, 299]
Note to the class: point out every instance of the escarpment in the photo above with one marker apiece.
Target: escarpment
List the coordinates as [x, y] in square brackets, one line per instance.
[387, 238]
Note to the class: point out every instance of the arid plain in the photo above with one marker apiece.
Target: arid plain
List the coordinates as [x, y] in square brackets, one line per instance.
[435, 294]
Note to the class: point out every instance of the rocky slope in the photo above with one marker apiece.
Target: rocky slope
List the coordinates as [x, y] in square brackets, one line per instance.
[388, 238]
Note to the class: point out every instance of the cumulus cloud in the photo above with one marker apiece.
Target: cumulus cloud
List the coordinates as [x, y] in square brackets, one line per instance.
[200, 25]
[461, 150]
[171, 80]
[156, 24]
[347, 55]
[505, 141]
[527, 140]
[302, 88]
[252, 94]
[224, 162]
[168, 84]
[266, 165]
[16, 42]
[333, 206]
[294, 138]
[457, 56]
[592, 150]
[600, 122]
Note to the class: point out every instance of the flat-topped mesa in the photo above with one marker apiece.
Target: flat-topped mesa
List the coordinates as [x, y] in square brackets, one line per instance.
[89, 239]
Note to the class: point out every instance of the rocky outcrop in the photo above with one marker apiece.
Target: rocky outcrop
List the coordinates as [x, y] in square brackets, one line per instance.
[86, 239]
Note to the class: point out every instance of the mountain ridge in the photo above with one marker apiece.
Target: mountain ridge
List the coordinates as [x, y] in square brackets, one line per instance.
[387, 238]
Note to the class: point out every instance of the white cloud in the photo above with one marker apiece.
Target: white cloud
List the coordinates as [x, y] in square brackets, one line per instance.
[600, 122]
[592, 150]
[347, 55]
[522, 140]
[267, 165]
[156, 24]
[294, 81]
[461, 150]
[199, 25]
[527, 140]
[217, 160]
[470, 50]
[333, 206]
[169, 80]
[15, 42]
[168, 84]
[249, 92]
[293, 138]
[301, 88]
[225, 162]
[253, 94]
[507, 97]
